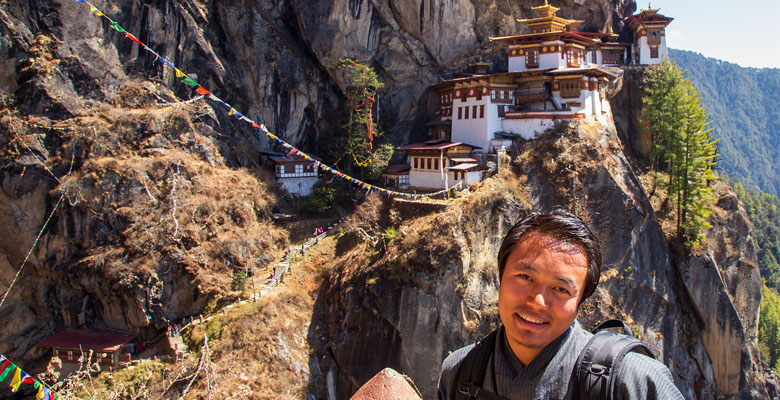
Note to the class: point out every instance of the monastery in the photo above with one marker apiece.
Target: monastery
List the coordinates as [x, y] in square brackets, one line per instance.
[554, 73]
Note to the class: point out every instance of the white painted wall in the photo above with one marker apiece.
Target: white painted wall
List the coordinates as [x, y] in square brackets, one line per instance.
[473, 131]
[644, 51]
[526, 128]
[517, 64]
[299, 186]
[426, 179]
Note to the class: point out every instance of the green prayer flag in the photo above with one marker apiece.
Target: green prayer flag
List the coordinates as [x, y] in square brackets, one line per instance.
[7, 371]
[118, 28]
[36, 384]
[190, 82]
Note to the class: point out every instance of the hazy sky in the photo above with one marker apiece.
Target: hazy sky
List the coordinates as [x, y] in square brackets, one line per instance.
[746, 32]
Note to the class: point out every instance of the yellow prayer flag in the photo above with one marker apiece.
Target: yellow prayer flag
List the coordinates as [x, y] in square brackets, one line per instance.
[271, 135]
[17, 379]
[39, 396]
[232, 111]
[179, 74]
[99, 14]
[92, 8]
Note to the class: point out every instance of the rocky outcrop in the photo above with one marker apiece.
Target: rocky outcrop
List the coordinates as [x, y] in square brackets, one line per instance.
[704, 328]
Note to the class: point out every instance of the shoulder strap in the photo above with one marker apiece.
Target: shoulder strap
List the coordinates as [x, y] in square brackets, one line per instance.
[472, 371]
[594, 377]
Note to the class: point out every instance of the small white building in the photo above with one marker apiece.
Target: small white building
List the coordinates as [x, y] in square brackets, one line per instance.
[396, 176]
[295, 174]
[439, 164]
[649, 30]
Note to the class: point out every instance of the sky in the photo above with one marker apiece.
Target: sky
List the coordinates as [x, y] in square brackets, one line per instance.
[745, 32]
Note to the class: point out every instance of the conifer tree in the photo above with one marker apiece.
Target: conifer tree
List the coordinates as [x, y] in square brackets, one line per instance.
[363, 87]
[682, 144]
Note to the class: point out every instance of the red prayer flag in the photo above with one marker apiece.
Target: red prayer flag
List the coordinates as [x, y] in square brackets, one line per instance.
[293, 151]
[5, 365]
[133, 38]
[27, 379]
[202, 90]
[255, 125]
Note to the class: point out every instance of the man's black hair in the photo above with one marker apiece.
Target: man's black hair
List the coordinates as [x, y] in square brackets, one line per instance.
[560, 225]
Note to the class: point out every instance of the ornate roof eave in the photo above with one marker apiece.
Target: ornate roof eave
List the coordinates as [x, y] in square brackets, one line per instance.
[571, 36]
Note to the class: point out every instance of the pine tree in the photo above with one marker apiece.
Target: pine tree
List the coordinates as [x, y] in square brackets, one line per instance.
[682, 144]
[363, 87]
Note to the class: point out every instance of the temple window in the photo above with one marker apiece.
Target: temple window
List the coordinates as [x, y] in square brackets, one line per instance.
[653, 37]
[570, 88]
[493, 94]
[482, 111]
[532, 58]
[654, 52]
[460, 112]
[474, 112]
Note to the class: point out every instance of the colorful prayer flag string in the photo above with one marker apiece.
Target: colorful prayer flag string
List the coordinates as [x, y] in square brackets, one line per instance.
[19, 377]
[234, 113]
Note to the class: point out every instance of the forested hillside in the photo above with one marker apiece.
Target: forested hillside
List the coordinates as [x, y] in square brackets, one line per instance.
[743, 106]
[764, 211]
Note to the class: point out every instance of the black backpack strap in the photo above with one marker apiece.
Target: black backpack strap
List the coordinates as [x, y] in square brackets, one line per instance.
[471, 372]
[594, 372]
[614, 323]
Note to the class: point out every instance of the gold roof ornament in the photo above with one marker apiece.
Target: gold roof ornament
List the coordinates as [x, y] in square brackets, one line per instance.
[545, 10]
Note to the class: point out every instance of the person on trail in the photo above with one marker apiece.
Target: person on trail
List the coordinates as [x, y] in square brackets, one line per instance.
[548, 264]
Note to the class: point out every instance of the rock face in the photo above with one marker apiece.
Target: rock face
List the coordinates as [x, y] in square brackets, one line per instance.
[432, 291]
[698, 314]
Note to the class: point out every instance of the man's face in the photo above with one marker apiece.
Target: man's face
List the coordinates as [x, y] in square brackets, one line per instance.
[542, 284]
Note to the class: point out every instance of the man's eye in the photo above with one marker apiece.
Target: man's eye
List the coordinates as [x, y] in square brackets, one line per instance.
[563, 290]
[524, 276]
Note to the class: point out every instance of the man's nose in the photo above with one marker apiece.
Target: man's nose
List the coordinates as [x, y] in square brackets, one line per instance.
[539, 298]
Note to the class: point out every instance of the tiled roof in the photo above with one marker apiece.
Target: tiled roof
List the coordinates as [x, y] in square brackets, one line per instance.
[104, 340]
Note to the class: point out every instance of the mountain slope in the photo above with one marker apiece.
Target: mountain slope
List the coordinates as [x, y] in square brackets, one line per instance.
[743, 106]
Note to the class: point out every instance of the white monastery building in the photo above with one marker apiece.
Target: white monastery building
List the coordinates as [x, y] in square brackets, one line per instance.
[554, 73]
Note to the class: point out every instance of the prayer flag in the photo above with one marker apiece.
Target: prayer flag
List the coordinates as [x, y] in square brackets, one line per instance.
[133, 38]
[118, 28]
[170, 64]
[7, 370]
[239, 115]
[272, 136]
[202, 90]
[190, 82]
[80, 1]
[368, 186]
[42, 392]
[179, 74]
[255, 125]
[27, 378]
[293, 151]
[232, 111]
[16, 380]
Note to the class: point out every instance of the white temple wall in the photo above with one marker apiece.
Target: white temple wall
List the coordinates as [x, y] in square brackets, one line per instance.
[526, 128]
[517, 64]
[472, 131]
[427, 179]
[644, 51]
[299, 186]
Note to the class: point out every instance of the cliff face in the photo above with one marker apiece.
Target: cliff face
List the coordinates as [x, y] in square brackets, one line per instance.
[161, 205]
[698, 314]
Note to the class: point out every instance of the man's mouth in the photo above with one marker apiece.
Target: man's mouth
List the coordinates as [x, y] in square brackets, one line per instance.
[531, 320]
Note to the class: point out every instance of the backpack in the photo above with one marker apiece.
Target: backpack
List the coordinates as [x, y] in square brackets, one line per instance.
[592, 375]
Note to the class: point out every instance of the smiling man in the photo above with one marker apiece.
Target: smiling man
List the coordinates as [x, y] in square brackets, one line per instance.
[548, 265]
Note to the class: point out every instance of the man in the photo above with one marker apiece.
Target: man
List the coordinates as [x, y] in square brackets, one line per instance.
[548, 264]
